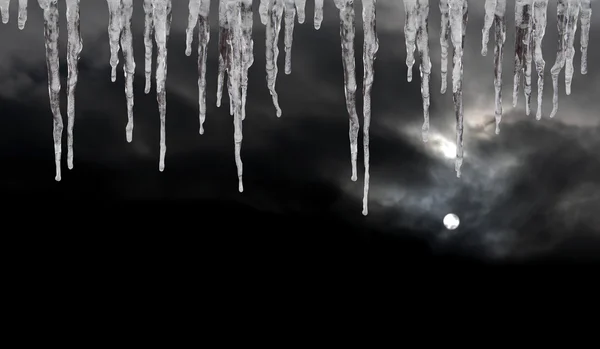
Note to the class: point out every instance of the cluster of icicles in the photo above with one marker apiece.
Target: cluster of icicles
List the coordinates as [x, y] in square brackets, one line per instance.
[236, 56]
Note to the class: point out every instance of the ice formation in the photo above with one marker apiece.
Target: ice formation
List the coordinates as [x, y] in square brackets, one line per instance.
[236, 56]
[416, 32]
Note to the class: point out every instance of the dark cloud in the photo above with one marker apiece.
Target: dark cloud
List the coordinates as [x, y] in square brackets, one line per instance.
[532, 189]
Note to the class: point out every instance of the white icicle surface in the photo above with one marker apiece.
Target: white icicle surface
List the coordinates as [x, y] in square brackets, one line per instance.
[586, 17]
[148, 44]
[567, 13]
[523, 24]
[50, 8]
[347, 33]
[416, 32]
[290, 17]
[370, 47]
[4, 5]
[495, 11]
[540, 19]
[199, 10]
[272, 12]
[458, 10]
[74, 47]
[161, 13]
[22, 14]
[318, 19]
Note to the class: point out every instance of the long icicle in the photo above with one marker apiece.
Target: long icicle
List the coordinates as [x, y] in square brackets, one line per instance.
[318, 19]
[148, 44]
[4, 10]
[495, 11]
[74, 47]
[290, 17]
[458, 25]
[194, 11]
[523, 24]
[347, 33]
[114, 34]
[410, 35]
[129, 65]
[248, 49]
[274, 16]
[22, 14]
[540, 19]
[370, 48]
[586, 18]
[51, 32]
[223, 48]
[301, 10]
[444, 36]
[488, 20]
[566, 11]
[162, 21]
[573, 15]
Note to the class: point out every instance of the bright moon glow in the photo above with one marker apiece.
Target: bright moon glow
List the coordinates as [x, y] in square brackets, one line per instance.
[451, 221]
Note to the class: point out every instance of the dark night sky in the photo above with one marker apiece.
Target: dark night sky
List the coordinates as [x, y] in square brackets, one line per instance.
[531, 192]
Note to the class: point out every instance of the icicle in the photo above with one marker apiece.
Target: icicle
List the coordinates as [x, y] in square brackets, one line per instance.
[194, 9]
[444, 35]
[290, 17]
[161, 10]
[318, 19]
[586, 17]
[223, 48]
[4, 9]
[540, 19]
[301, 9]
[346, 8]
[523, 20]
[148, 32]
[410, 34]
[74, 47]
[248, 50]
[22, 14]
[114, 33]
[274, 15]
[416, 31]
[500, 38]
[129, 66]
[567, 13]
[458, 10]
[490, 10]
[199, 10]
[50, 8]
[370, 47]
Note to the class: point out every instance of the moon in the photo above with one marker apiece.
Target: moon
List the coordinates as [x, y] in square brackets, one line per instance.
[451, 221]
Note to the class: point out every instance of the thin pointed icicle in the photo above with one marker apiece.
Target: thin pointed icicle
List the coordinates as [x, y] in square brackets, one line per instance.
[274, 16]
[74, 47]
[194, 10]
[224, 34]
[490, 11]
[444, 36]
[50, 8]
[586, 18]
[370, 47]
[500, 37]
[573, 14]
[347, 33]
[410, 34]
[148, 44]
[318, 17]
[458, 10]
[301, 10]
[161, 10]
[540, 19]
[129, 65]
[22, 14]
[290, 17]
[114, 33]
[4, 10]
[523, 23]
[201, 13]
[416, 31]
[567, 12]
